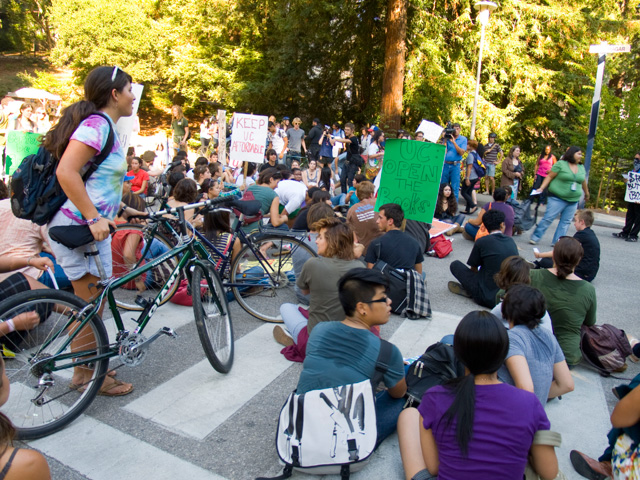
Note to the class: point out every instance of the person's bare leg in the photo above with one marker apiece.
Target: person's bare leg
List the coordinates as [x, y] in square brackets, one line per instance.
[87, 288]
[409, 440]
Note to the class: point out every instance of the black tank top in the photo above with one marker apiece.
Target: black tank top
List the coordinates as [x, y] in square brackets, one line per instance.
[7, 466]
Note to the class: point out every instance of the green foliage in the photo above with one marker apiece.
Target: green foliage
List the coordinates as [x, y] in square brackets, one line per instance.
[24, 25]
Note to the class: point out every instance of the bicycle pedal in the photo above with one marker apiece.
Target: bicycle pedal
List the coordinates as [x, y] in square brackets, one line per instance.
[169, 332]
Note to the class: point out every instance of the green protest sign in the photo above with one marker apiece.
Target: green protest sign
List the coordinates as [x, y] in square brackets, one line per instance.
[20, 145]
[410, 177]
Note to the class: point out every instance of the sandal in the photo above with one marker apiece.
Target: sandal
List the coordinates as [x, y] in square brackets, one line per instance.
[107, 391]
[75, 386]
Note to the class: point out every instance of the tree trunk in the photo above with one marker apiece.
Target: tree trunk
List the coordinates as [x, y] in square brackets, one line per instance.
[394, 60]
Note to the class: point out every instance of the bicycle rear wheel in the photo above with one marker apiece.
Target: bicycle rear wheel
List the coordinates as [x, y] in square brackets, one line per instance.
[263, 275]
[43, 400]
[131, 247]
[213, 320]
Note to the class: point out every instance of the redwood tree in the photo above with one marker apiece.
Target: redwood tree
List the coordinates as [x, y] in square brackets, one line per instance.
[394, 60]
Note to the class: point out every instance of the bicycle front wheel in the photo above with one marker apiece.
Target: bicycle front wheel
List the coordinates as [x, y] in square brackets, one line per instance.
[40, 362]
[263, 275]
[213, 320]
[131, 247]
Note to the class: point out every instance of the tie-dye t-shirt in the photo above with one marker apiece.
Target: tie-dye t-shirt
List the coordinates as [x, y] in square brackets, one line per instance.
[105, 185]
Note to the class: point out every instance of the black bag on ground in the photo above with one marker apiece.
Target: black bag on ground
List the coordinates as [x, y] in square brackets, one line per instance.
[36, 194]
[437, 365]
[397, 285]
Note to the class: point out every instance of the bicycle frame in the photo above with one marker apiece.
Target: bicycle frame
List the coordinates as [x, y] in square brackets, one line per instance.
[191, 252]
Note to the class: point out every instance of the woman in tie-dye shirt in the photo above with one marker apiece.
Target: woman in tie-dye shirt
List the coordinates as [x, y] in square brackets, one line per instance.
[76, 139]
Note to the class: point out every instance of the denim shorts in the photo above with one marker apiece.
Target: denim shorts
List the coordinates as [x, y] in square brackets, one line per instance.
[74, 263]
[491, 169]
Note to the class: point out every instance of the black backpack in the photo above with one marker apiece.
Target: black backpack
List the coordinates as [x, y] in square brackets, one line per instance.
[437, 365]
[36, 194]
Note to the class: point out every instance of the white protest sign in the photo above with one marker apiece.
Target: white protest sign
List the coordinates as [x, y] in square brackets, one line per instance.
[605, 48]
[633, 188]
[248, 138]
[124, 127]
[431, 130]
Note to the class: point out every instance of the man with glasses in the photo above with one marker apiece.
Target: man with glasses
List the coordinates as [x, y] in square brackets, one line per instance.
[296, 142]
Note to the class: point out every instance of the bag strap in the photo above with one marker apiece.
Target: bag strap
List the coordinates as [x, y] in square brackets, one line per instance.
[104, 153]
[382, 363]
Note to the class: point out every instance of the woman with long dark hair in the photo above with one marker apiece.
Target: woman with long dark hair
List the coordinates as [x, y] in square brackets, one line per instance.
[76, 139]
[475, 426]
[512, 171]
[566, 181]
[447, 209]
[326, 180]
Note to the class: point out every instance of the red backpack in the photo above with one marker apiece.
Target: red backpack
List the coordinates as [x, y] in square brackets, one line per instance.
[248, 196]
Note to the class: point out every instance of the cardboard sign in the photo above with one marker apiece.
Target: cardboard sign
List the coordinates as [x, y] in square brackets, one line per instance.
[411, 177]
[438, 228]
[124, 127]
[248, 138]
[20, 145]
[431, 131]
[633, 188]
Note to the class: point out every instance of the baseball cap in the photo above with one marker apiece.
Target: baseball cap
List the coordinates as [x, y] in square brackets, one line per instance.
[285, 118]
[128, 178]
[492, 135]
[373, 128]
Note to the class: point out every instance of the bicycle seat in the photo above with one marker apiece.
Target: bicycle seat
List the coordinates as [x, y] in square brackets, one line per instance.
[73, 236]
[249, 208]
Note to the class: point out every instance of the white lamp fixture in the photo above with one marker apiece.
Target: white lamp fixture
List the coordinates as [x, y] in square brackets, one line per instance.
[484, 7]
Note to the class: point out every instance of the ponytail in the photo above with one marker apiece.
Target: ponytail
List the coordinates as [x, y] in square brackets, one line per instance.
[56, 140]
[462, 409]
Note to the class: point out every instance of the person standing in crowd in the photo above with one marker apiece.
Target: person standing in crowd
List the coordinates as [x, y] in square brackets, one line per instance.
[543, 167]
[77, 138]
[375, 153]
[470, 178]
[41, 120]
[512, 171]
[295, 140]
[456, 146]
[365, 140]
[493, 155]
[179, 129]
[205, 134]
[590, 263]
[313, 140]
[350, 166]
[337, 132]
[396, 248]
[23, 122]
[565, 180]
[326, 142]
[485, 261]
[632, 220]
[286, 124]
[420, 136]
[277, 140]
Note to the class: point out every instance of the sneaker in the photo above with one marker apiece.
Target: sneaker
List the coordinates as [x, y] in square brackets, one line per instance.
[533, 242]
[282, 337]
[633, 342]
[590, 468]
[631, 239]
[619, 235]
[455, 287]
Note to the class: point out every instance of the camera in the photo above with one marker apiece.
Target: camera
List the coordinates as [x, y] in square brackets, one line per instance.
[449, 131]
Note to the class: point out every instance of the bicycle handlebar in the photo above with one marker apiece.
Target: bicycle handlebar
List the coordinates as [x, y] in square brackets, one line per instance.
[228, 197]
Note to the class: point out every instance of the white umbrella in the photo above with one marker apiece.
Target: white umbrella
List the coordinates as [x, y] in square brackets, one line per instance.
[34, 93]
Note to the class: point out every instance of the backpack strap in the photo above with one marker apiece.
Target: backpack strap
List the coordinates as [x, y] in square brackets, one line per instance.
[382, 363]
[105, 151]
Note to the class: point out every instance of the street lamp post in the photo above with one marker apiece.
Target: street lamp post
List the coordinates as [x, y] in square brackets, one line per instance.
[485, 8]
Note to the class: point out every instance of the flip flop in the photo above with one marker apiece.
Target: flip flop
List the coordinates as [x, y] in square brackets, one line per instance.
[106, 392]
[75, 386]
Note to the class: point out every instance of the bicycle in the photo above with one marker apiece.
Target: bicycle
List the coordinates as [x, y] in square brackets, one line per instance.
[262, 275]
[72, 334]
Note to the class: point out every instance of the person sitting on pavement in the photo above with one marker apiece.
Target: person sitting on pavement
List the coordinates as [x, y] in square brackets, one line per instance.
[571, 301]
[362, 217]
[473, 225]
[345, 351]
[264, 191]
[485, 261]
[535, 361]
[300, 223]
[396, 248]
[620, 458]
[447, 209]
[319, 280]
[350, 198]
[251, 170]
[588, 267]
[271, 160]
[476, 426]
[291, 194]
[514, 271]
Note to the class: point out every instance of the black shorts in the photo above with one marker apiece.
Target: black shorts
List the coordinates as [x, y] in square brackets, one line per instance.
[14, 284]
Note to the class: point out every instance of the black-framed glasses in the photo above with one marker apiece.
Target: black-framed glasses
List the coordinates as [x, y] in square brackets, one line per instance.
[379, 300]
[115, 72]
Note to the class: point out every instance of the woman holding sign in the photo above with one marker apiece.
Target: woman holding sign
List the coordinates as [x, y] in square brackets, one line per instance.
[565, 180]
[632, 222]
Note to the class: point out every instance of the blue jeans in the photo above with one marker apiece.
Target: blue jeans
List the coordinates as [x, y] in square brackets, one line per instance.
[555, 206]
[472, 230]
[338, 199]
[387, 412]
[58, 273]
[451, 174]
[514, 188]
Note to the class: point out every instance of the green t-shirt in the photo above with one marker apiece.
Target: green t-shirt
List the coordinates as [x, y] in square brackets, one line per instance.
[179, 126]
[320, 275]
[567, 185]
[570, 303]
[265, 196]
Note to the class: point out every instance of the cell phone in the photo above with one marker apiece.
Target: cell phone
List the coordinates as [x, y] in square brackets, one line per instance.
[535, 250]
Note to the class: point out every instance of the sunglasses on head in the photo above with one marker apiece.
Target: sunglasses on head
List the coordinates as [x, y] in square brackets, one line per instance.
[114, 74]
